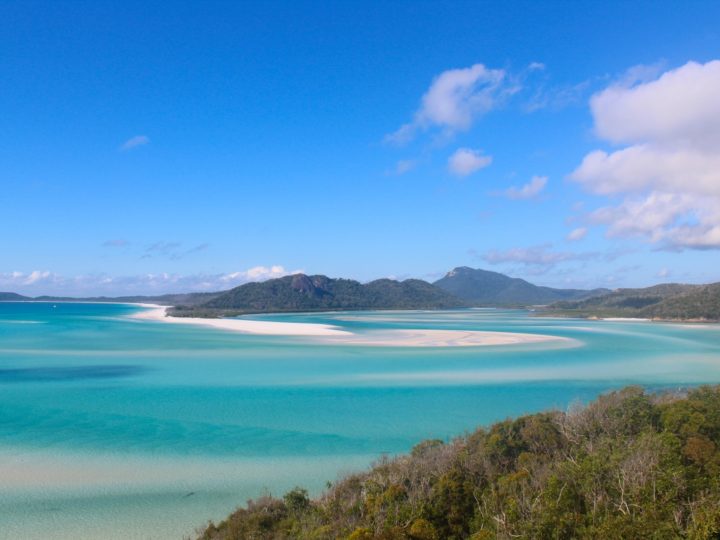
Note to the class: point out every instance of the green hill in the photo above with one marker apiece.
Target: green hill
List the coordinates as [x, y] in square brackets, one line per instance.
[631, 465]
[667, 301]
[461, 287]
[702, 302]
[317, 293]
[482, 287]
[12, 297]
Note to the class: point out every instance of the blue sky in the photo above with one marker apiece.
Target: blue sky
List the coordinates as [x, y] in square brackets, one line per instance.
[151, 147]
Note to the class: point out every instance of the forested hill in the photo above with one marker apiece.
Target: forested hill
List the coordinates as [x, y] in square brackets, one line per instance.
[314, 293]
[461, 287]
[482, 287]
[12, 297]
[668, 301]
[631, 465]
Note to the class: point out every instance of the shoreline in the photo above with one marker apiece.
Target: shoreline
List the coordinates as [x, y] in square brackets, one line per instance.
[334, 335]
[158, 313]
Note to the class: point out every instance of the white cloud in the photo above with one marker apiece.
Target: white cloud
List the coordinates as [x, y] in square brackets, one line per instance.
[681, 106]
[455, 99]
[256, 273]
[36, 276]
[13, 280]
[465, 161]
[638, 168]
[530, 190]
[47, 283]
[663, 273]
[668, 174]
[577, 234]
[134, 142]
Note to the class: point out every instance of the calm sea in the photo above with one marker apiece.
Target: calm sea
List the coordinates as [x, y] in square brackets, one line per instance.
[112, 427]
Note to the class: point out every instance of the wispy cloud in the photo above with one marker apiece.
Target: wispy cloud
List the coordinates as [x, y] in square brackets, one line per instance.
[465, 161]
[11, 281]
[542, 255]
[556, 97]
[536, 260]
[404, 166]
[530, 190]
[577, 234]
[115, 243]
[134, 142]
[162, 248]
[41, 282]
[36, 276]
[197, 249]
[454, 100]
[172, 250]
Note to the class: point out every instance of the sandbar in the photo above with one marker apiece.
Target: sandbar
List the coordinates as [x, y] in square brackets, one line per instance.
[276, 328]
[329, 334]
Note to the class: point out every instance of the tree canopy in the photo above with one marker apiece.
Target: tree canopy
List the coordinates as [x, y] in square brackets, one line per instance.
[631, 464]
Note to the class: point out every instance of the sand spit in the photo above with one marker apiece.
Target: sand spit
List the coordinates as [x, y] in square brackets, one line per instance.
[275, 328]
[325, 333]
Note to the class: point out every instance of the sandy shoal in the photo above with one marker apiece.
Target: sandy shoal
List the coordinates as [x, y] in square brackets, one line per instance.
[157, 313]
[328, 334]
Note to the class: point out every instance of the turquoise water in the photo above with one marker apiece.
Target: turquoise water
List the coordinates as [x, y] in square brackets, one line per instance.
[120, 428]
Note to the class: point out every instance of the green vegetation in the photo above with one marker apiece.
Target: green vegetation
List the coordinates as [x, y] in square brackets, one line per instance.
[483, 288]
[670, 302]
[12, 297]
[629, 465]
[320, 293]
[461, 287]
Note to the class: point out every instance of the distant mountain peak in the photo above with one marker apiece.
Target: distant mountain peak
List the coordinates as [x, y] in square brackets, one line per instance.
[485, 287]
[302, 283]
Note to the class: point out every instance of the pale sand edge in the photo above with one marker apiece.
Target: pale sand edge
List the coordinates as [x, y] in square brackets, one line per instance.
[333, 335]
[624, 319]
[158, 313]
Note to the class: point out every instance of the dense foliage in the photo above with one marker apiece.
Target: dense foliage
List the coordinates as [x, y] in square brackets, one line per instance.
[631, 465]
[312, 293]
[12, 297]
[703, 302]
[460, 287]
[668, 301]
[481, 287]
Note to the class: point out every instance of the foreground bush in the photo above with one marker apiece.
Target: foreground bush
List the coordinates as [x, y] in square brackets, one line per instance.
[630, 465]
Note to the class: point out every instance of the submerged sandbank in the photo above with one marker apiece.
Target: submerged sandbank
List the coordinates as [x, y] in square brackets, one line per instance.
[440, 338]
[329, 334]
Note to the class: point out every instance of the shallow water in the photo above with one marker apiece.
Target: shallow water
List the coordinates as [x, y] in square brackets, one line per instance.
[119, 428]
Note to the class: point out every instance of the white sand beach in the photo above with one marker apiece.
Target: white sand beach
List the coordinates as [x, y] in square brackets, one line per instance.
[157, 313]
[329, 334]
[624, 319]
